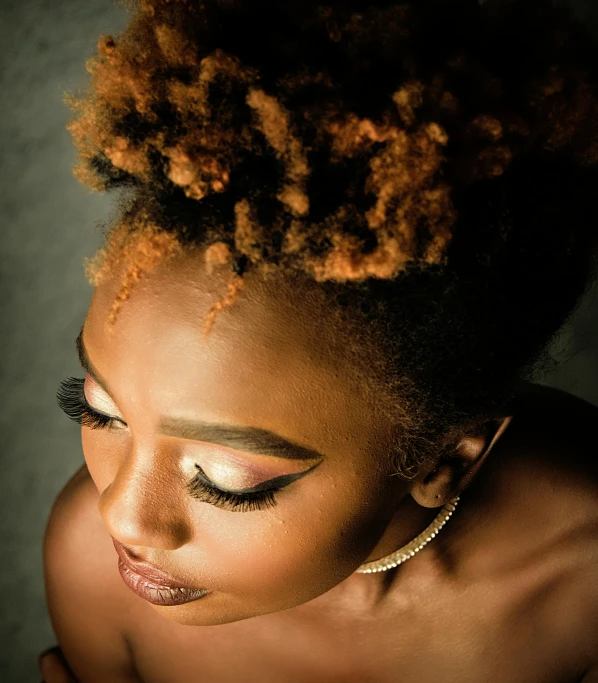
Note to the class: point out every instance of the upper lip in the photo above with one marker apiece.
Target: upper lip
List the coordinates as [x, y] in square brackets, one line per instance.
[148, 571]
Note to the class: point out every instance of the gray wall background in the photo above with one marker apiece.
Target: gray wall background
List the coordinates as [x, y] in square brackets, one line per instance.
[48, 225]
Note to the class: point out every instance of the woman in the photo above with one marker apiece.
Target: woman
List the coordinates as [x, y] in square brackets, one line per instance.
[314, 450]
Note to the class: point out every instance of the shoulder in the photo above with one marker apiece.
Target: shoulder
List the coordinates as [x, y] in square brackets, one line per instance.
[84, 612]
[551, 443]
[526, 532]
[551, 481]
[556, 410]
[553, 451]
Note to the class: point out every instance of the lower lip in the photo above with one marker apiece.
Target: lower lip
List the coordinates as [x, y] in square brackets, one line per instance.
[158, 595]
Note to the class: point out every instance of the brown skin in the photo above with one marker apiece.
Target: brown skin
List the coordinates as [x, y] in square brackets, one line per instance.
[261, 366]
[283, 578]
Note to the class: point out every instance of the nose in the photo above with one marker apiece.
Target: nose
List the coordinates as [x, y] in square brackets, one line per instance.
[146, 506]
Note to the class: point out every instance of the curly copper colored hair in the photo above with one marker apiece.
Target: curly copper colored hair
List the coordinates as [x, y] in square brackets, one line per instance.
[431, 164]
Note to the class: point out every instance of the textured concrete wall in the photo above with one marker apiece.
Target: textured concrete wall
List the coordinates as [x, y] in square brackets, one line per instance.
[48, 225]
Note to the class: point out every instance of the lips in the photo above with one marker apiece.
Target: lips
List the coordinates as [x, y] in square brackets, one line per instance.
[158, 594]
[148, 571]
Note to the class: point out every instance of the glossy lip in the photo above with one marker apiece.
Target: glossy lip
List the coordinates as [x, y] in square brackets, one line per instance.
[158, 594]
[149, 573]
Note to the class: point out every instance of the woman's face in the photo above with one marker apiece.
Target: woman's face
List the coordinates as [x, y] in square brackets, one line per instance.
[270, 363]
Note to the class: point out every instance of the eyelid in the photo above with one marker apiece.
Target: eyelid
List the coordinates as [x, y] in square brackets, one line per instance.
[271, 484]
[101, 412]
[113, 418]
[277, 482]
[96, 388]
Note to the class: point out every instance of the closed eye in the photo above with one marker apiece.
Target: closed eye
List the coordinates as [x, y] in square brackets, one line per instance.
[258, 497]
[71, 400]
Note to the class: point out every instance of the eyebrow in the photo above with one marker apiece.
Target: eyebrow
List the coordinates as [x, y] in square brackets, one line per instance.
[240, 437]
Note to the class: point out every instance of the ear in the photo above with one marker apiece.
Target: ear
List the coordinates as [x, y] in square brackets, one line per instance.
[445, 479]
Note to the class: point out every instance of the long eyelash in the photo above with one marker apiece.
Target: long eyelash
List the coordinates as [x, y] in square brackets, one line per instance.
[234, 502]
[71, 399]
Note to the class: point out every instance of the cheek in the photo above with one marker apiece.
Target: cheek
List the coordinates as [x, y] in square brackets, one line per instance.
[290, 554]
[100, 455]
[275, 558]
[89, 445]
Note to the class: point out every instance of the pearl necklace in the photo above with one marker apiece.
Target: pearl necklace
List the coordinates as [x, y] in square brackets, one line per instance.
[414, 546]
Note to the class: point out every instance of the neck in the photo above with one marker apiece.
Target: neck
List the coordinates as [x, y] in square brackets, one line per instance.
[409, 521]
[366, 594]
[441, 560]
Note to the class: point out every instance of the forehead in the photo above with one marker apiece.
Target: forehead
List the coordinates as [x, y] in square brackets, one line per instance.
[272, 360]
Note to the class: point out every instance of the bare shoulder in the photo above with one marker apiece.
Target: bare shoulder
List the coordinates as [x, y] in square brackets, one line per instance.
[550, 470]
[85, 611]
[553, 438]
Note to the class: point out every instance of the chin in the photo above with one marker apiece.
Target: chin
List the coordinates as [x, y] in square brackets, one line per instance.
[190, 615]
